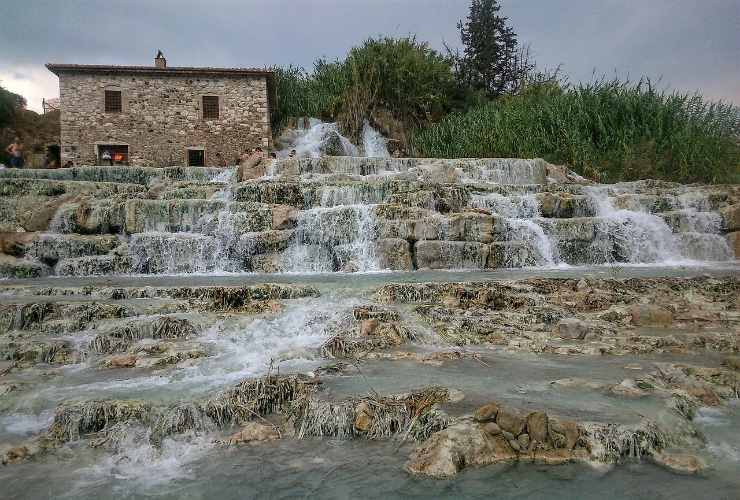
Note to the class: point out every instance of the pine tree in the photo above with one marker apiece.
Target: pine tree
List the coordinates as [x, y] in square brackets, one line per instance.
[490, 60]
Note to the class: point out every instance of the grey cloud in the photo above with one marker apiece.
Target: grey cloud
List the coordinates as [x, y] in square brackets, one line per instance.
[692, 44]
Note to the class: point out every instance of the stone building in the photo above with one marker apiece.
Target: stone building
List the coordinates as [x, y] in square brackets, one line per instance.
[159, 115]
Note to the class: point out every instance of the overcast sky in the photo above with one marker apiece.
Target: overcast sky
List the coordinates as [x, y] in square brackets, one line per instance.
[691, 44]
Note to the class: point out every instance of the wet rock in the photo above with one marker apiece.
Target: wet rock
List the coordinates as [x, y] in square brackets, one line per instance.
[510, 420]
[512, 440]
[12, 267]
[254, 432]
[284, 217]
[492, 429]
[628, 388]
[18, 454]
[679, 463]
[651, 315]
[16, 244]
[450, 255]
[733, 240]
[566, 429]
[732, 362]
[393, 254]
[448, 451]
[486, 413]
[123, 361]
[538, 426]
[364, 416]
[333, 145]
[524, 441]
[573, 329]
[368, 327]
[731, 218]
[7, 388]
[6, 366]
[557, 456]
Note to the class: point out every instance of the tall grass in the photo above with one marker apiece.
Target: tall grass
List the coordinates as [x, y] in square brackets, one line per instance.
[608, 129]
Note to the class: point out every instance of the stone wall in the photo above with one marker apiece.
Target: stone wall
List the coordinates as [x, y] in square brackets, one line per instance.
[162, 117]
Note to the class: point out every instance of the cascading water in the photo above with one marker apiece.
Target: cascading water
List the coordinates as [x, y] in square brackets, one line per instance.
[319, 139]
[639, 237]
[373, 143]
[337, 238]
[322, 138]
[518, 215]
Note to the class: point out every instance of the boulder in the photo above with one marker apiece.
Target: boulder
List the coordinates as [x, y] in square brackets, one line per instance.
[463, 444]
[733, 239]
[486, 413]
[680, 463]
[450, 255]
[731, 362]
[524, 441]
[253, 432]
[284, 217]
[572, 329]
[332, 145]
[6, 366]
[364, 416]
[16, 244]
[368, 327]
[123, 361]
[510, 420]
[651, 315]
[565, 428]
[731, 218]
[394, 254]
[492, 429]
[538, 426]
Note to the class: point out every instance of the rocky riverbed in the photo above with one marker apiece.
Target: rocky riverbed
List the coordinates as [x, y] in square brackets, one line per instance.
[375, 328]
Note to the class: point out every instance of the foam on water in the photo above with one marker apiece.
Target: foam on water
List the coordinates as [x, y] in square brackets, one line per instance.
[373, 143]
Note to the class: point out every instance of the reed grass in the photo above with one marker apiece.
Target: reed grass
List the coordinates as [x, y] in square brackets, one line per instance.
[610, 130]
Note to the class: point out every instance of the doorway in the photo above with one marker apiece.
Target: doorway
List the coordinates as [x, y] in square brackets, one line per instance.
[196, 158]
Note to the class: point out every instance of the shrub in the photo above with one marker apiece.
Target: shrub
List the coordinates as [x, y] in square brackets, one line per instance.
[400, 75]
[608, 129]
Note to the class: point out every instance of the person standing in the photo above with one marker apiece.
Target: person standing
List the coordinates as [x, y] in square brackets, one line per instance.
[106, 157]
[15, 150]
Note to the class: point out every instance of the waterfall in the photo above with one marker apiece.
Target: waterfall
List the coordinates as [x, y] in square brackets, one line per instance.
[519, 216]
[335, 238]
[373, 143]
[320, 139]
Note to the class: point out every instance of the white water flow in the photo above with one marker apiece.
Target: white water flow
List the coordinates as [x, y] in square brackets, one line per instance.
[317, 138]
[639, 237]
[322, 138]
[519, 217]
[373, 143]
[340, 238]
[211, 245]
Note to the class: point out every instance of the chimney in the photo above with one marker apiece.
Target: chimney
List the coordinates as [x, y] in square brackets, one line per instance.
[159, 61]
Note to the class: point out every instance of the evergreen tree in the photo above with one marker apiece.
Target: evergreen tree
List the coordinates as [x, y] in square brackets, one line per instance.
[491, 60]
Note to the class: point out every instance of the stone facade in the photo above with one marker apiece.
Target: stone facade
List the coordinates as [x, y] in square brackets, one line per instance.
[161, 116]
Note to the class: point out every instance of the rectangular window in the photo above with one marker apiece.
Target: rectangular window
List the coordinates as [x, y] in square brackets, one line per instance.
[113, 101]
[196, 158]
[112, 154]
[210, 107]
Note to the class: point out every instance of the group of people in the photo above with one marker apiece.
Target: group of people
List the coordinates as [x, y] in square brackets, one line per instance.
[15, 151]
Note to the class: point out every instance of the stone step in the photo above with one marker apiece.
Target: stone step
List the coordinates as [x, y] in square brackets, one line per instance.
[117, 174]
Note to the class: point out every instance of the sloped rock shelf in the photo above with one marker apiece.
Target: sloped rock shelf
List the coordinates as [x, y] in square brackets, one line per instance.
[168, 330]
